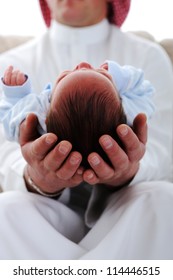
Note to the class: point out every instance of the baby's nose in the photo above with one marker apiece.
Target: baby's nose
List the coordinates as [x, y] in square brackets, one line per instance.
[84, 65]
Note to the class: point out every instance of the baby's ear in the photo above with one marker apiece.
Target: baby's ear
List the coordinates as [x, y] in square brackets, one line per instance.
[104, 66]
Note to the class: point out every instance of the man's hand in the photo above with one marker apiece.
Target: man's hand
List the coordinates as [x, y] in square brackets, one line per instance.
[125, 162]
[51, 166]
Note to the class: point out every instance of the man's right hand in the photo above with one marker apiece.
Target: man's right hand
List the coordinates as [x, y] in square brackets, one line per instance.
[51, 166]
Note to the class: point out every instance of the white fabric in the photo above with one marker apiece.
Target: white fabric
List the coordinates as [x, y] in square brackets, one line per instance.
[133, 225]
[18, 101]
[137, 224]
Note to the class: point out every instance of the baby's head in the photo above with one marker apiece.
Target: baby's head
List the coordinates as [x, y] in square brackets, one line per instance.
[84, 106]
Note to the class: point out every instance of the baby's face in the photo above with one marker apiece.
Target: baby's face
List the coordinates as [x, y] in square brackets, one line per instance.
[84, 76]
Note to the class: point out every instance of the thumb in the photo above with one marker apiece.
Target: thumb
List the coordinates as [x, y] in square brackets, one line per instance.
[140, 127]
[28, 129]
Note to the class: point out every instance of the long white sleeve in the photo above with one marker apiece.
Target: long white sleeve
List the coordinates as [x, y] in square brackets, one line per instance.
[12, 165]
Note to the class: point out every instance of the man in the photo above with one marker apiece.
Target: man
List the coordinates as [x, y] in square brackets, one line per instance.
[79, 31]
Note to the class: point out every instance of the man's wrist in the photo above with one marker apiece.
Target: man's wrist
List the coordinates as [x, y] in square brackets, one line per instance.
[32, 187]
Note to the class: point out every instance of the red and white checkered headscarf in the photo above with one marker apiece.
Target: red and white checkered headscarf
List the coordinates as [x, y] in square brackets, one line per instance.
[117, 13]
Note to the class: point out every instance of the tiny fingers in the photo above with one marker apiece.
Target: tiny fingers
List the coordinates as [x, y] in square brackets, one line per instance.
[7, 75]
[20, 78]
[13, 77]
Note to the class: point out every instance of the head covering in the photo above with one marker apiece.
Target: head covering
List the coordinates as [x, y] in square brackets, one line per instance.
[117, 11]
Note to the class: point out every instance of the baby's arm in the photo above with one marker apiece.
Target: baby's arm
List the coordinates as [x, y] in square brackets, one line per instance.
[13, 77]
[16, 87]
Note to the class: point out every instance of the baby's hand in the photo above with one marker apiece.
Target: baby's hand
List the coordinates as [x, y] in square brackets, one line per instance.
[13, 77]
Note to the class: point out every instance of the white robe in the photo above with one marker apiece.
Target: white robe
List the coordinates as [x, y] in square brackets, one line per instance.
[136, 224]
[125, 225]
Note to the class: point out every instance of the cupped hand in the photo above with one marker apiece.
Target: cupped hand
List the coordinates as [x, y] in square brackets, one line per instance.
[51, 166]
[125, 162]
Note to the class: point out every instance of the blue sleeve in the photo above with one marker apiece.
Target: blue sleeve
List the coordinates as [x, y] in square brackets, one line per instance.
[11, 95]
[135, 92]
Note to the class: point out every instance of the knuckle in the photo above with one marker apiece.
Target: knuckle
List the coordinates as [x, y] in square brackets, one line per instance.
[47, 165]
[118, 175]
[60, 175]
[76, 180]
[94, 181]
[137, 154]
[133, 146]
[122, 162]
[107, 176]
[63, 175]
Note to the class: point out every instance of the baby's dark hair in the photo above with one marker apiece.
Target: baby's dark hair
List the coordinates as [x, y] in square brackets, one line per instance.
[82, 117]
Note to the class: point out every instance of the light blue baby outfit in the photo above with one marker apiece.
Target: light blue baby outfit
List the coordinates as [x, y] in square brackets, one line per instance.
[18, 101]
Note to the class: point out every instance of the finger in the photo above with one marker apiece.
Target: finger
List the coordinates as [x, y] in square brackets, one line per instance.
[77, 179]
[7, 76]
[57, 156]
[132, 146]
[20, 79]
[14, 77]
[28, 129]
[37, 150]
[90, 177]
[42, 145]
[80, 170]
[115, 153]
[140, 127]
[70, 166]
[100, 167]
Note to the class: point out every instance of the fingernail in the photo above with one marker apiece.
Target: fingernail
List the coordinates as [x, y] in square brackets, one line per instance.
[79, 171]
[50, 140]
[107, 142]
[63, 148]
[74, 160]
[94, 160]
[90, 176]
[124, 131]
